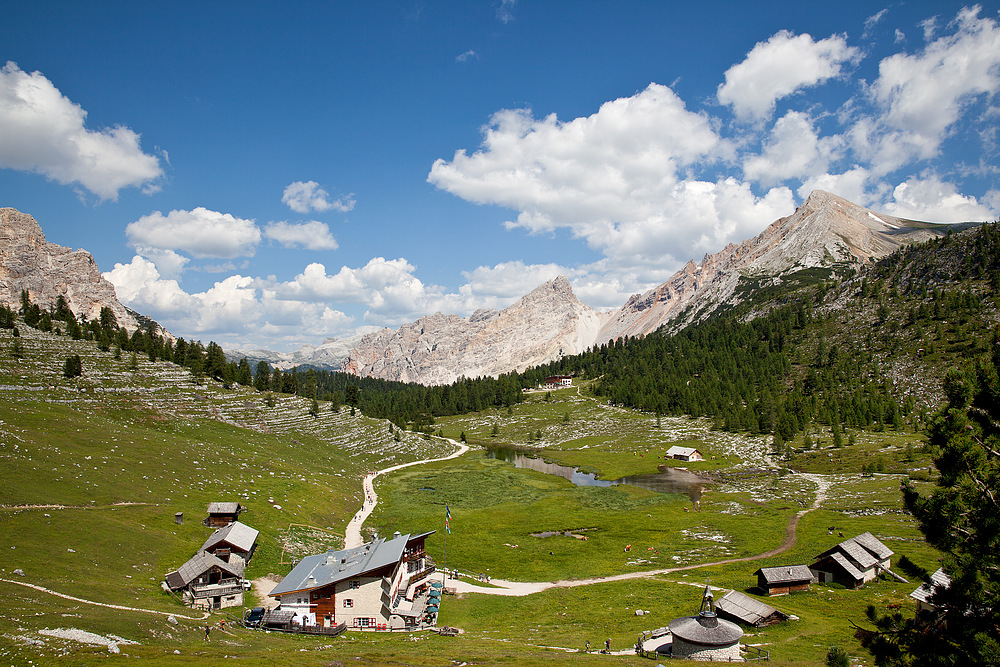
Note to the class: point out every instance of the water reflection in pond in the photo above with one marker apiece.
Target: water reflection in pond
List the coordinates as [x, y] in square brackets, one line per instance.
[671, 480]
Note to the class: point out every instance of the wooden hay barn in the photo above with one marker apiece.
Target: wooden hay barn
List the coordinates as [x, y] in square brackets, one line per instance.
[744, 609]
[784, 579]
[222, 514]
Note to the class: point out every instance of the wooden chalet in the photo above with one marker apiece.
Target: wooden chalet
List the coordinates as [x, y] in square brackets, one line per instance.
[237, 540]
[684, 454]
[853, 562]
[783, 579]
[222, 514]
[208, 582]
[375, 586]
[744, 609]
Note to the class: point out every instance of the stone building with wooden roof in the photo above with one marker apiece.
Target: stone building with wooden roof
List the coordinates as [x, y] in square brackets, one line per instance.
[784, 579]
[208, 582]
[853, 562]
[706, 636]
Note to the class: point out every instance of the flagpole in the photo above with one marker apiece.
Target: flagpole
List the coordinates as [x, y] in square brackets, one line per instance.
[444, 563]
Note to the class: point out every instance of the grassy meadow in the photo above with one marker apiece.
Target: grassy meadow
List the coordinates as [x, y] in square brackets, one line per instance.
[95, 468]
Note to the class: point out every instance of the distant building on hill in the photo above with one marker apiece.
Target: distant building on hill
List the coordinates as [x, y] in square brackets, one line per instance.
[222, 514]
[684, 454]
[558, 381]
[379, 585]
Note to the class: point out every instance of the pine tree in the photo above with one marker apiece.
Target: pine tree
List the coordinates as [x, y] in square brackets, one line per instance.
[961, 517]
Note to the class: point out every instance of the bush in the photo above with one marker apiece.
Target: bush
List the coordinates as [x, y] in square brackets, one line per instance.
[837, 657]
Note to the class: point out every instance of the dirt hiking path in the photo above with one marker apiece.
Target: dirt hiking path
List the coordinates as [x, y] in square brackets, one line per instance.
[519, 588]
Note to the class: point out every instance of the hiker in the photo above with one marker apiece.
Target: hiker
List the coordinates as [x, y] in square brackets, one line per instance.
[588, 646]
[208, 630]
[222, 624]
[607, 644]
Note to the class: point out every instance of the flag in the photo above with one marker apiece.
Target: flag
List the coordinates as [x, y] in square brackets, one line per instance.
[447, 519]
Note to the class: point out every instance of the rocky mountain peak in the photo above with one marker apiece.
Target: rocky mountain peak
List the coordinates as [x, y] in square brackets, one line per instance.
[46, 270]
[543, 325]
[826, 230]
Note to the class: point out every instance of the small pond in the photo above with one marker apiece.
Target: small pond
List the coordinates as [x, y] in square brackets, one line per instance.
[671, 480]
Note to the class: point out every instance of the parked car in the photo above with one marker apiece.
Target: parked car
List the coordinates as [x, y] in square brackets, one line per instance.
[254, 617]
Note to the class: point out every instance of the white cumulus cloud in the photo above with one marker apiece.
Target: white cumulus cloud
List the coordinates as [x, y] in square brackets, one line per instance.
[42, 131]
[306, 196]
[929, 198]
[779, 67]
[921, 96]
[312, 235]
[199, 232]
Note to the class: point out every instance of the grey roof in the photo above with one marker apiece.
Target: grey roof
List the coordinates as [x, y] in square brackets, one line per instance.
[842, 561]
[864, 550]
[200, 563]
[705, 630]
[939, 578]
[872, 544]
[745, 608]
[785, 573]
[334, 566]
[223, 508]
[237, 534]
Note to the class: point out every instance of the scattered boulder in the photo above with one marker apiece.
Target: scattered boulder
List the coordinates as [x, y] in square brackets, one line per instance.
[19, 572]
[171, 620]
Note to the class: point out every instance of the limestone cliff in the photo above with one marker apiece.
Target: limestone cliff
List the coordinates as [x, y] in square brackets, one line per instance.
[825, 231]
[437, 349]
[47, 270]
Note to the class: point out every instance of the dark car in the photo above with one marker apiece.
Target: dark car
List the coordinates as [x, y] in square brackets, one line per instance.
[254, 617]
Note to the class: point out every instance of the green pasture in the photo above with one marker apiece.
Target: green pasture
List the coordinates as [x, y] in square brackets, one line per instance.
[94, 470]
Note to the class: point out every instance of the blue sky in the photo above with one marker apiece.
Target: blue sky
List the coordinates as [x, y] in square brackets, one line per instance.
[273, 174]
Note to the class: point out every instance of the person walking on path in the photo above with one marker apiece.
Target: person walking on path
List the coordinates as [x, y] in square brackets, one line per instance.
[208, 631]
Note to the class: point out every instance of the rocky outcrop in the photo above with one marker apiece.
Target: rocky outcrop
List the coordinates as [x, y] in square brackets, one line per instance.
[47, 270]
[544, 325]
[825, 231]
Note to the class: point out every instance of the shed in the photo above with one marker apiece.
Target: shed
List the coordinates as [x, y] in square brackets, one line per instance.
[744, 609]
[784, 579]
[222, 514]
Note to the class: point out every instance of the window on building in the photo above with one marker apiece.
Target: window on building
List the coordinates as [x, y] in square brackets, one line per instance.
[348, 602]
[354, 584]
